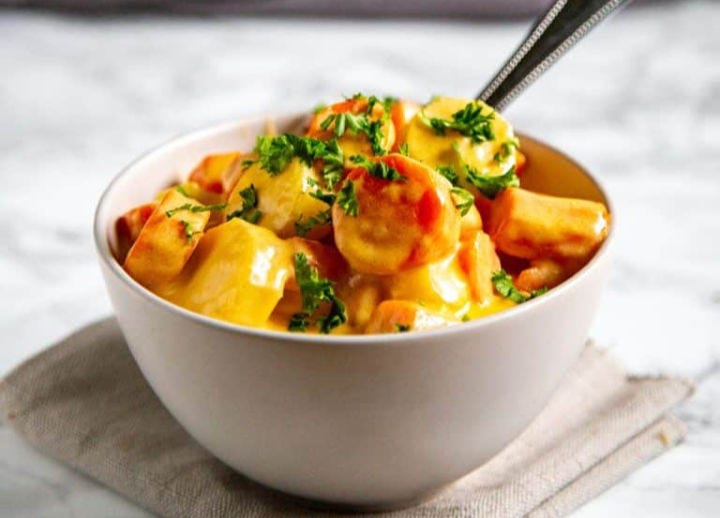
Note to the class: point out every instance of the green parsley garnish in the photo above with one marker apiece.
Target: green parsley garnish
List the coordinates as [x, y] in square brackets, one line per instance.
[181, 190]
[299, 322]
[356, 124]
[325, 197]
[386, 102]
[404, 150]
[373, 130]
[347, 199]
[507, 148]
[401, 328]
[504, 286]
[303, 227]
[314, 291]
[491, 186]
[464, 200]
[189, 232]
[335, 317]
[275, 153]
[449, 173]
[377, 169]
[469, 121]
[361, 122]
[249, 211]
[194, 208]
[333, 163]
[319, 194]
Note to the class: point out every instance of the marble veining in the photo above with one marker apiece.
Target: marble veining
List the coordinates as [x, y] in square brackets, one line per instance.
[638, 103]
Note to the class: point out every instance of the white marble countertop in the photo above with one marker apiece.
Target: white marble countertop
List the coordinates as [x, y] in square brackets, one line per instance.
[638, 103]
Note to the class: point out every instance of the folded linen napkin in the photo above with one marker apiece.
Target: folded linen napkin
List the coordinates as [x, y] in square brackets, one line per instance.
[84, 402]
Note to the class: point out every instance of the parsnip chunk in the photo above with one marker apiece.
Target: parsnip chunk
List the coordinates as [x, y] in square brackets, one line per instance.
[237, 274]
[283, 201]
[128, 227]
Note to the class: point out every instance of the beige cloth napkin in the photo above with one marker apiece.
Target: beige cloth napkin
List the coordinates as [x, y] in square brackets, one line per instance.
[85, 403]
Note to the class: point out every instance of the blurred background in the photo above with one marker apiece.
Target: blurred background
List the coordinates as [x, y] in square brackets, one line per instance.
[89, 85]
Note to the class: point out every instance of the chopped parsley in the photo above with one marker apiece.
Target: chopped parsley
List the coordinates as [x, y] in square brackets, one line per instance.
[303, 227]
[249, 211]
[449, 172]
[335, 317]
[357, 123]
[504, 286]
[404, 149]
[194, 208]
[319, 194]
[347, 199]
[491, 186]
[326, 197]
[386, 102]
[315, 291]
[299, 323]
[275, 153]
[189, 232]
[464, 200]
[469, 121]
[181, 190]
[377, 169]
[507, 148]
[333, 163]
[402, 328]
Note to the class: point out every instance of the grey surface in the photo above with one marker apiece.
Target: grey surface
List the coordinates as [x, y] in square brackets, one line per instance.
[638, 103]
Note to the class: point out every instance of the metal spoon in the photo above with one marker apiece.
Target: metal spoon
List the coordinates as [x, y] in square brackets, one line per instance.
[554, 33]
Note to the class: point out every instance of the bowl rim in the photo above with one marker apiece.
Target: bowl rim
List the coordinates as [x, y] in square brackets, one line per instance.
[105, 255]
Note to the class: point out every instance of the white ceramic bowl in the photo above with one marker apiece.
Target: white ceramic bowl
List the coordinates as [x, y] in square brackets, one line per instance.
[364, 421]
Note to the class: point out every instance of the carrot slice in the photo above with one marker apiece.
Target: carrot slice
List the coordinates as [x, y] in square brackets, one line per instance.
[128, 227]
[532, 226]
[166, 241]
[400, 223]
[209, 173]
[478, 259]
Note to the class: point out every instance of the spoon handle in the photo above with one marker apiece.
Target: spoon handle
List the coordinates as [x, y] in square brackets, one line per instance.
[555, 32]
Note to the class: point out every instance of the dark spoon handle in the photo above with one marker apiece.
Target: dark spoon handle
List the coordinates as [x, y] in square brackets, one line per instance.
[555, 32]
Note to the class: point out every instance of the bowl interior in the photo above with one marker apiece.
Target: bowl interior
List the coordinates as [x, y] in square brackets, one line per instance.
[551, 172]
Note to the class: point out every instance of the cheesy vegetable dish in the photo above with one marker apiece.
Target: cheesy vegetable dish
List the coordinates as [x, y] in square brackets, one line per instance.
[384, 217]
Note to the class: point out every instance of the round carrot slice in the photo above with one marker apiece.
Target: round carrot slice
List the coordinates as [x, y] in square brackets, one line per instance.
[386, 223]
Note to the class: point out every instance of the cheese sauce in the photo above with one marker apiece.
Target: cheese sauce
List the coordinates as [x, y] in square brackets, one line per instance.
[385, 217]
